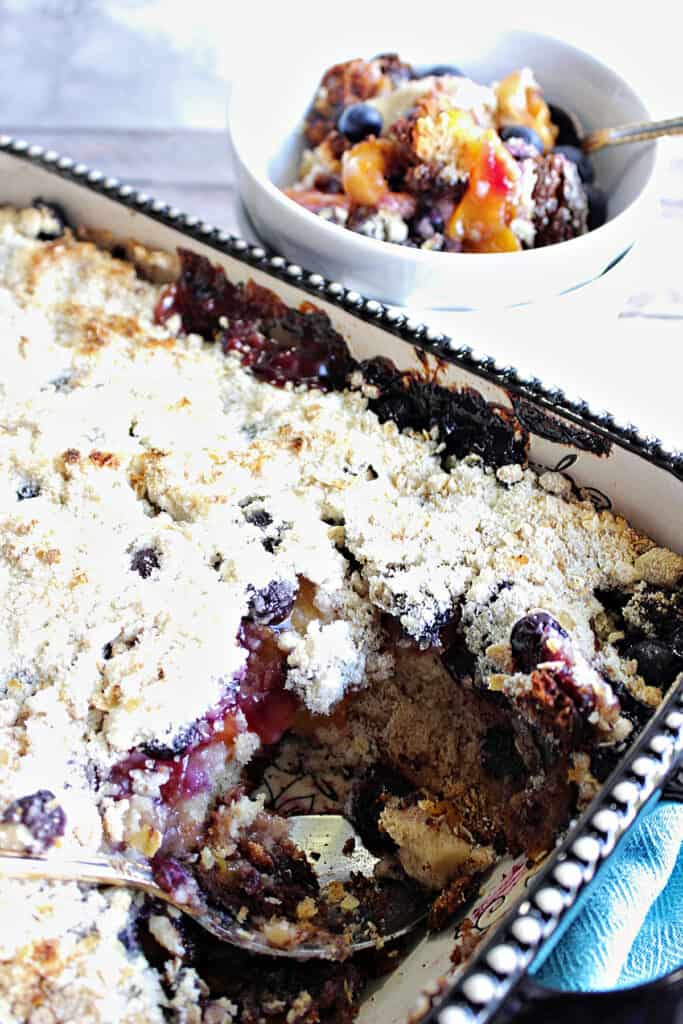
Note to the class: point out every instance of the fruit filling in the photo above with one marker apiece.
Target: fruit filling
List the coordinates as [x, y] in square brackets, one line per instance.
[254, 702]
[428, 158]
[246, 575]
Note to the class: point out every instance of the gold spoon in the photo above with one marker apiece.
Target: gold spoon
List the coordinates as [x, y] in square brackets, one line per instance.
[640, 131]
[334, 851]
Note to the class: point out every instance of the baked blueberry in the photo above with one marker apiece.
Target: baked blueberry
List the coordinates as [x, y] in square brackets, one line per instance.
[658, 662]
[160, 750]
[360, 120]
[30, 489]
[258, 517]
[597, 207]
[530, 640]
[171, 876]
[442, 69]
[293, 346]
[56, 219]
[40, 814]
[636, 711]
[521, 131]
[62, 382]
[584, 164]
[427, 222]
[570, 131]
[612, 599]
[144, 561]
[273, 603]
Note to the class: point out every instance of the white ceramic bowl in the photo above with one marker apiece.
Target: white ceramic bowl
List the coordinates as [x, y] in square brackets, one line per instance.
[265, 127]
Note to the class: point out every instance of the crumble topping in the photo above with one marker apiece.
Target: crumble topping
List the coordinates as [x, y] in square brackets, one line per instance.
[479, 100]
[61, 957]
[429, 158]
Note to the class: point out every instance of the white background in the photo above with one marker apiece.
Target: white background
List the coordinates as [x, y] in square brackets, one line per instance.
[164, 60]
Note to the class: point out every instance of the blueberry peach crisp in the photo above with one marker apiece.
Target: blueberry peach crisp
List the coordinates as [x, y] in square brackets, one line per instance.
[431, 159]
[228, 546]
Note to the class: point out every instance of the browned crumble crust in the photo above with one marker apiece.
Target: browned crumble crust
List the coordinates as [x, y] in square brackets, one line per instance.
[559, 201]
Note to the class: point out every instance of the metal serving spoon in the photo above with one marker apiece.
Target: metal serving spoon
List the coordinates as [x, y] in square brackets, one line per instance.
[640, 131]
[333, 849]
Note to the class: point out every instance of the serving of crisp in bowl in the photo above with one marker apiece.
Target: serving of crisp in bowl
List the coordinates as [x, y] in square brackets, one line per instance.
[430, 159]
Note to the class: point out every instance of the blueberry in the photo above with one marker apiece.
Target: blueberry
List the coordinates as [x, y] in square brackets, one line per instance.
[258, 517]
[604, 759]
[521, 131]
[170, 875]
[62, 382]
[128, 937]
[584, 164]
[529, 639]
[273, 603]
[612, 599]
[144, 561]
[158, 750]
[658, 663]
[57, 216]
[427, 222]
[360, 120]
[442, 69]
[570, 132]
[631, 708]
[28, 490]
[40, 814]
[597, 207]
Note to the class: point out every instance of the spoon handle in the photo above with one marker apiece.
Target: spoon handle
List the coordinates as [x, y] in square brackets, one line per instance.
[641, 131]
[55, 868]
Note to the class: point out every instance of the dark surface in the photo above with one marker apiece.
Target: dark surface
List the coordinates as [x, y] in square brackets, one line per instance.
[658, 1003]
[546, 425]
[466, 422]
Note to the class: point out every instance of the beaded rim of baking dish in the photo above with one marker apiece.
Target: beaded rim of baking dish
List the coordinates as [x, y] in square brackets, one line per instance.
[495, 969]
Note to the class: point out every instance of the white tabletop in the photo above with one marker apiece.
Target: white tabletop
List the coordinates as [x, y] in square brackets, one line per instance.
[138, 90]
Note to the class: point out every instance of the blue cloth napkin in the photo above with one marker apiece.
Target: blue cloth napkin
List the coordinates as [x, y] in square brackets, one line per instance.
[629, 925]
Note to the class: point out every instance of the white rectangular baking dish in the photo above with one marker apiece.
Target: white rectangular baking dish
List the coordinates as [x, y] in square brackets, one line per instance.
[518, 908]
